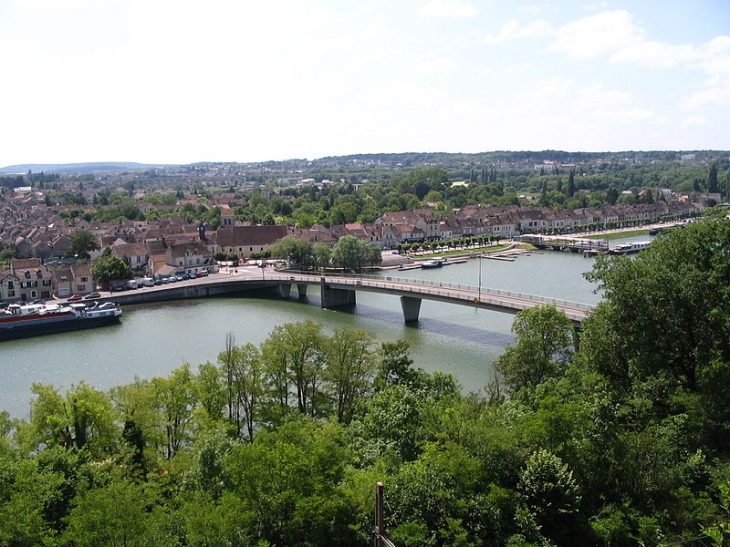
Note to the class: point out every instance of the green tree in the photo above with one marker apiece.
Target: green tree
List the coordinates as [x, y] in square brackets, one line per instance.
[244, 376]
[322, 254]
[570, 188]
[114, 515]
[350, 370]
[176, 399]
[661, 328]
[712, 185]
[84, 419]
[82, 242]
[297, 251]
[108, 268]
[349, 253]
[543, 349]
[294, 358]
[551, 496]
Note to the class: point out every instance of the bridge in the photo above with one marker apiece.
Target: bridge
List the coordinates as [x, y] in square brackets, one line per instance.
[340, 291]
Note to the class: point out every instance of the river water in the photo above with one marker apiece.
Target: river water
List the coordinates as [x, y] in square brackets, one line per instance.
[154, 339]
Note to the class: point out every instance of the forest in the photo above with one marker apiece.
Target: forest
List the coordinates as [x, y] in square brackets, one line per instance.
[618, 438]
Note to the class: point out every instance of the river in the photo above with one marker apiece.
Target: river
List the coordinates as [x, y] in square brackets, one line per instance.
[154, 339]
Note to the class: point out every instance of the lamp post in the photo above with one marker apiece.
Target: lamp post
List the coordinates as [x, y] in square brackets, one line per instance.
[479, 298]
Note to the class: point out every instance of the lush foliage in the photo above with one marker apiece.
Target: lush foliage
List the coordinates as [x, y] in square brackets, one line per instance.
[108, 268]
[623, 442]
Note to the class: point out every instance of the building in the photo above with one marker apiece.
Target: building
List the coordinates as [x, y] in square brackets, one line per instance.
[246, 240]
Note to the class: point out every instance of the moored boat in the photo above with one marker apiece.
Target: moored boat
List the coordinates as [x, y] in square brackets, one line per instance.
[433, 263]
[24, 321]
[628, 248]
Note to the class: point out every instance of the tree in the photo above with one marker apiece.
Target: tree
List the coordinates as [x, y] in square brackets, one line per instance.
[297, 251]
[570, 188]
[108, 268]
[662, 324]
[350, 368]
[322, 254]
[544, 347]
[175, 399]
[82, 242]
[242, 368]
[294, 358]
[348, 253]
[551, 497]
[712, 185]
[84, 419]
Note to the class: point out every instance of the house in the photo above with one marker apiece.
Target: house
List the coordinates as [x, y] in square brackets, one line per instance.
[35, 280]
[74, 279]
[9, 286]
[135, 254]
[245, 240]
[189, 257]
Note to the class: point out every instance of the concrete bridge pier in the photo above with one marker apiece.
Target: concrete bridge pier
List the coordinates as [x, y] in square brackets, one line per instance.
[284, 290]
[336, 298]
[302, 290]
[411, 308]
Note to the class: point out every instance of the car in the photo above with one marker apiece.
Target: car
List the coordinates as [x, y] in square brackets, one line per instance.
[74, 298]
[92, 295]
[192, 275]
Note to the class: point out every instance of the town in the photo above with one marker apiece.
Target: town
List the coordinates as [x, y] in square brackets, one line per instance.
[185, 221]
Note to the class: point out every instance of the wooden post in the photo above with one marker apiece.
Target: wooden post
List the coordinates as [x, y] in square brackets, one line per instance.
[379, 523]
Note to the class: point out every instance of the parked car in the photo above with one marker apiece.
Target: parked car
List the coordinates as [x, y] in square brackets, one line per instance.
[74, 298]
[92, 295]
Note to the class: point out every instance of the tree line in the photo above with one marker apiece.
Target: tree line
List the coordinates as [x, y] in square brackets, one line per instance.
[619, 440]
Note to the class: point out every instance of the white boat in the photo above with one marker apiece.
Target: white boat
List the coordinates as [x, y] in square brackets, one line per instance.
[628, 248]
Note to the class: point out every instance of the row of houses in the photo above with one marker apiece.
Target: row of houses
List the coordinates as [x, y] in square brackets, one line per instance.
[28, 279]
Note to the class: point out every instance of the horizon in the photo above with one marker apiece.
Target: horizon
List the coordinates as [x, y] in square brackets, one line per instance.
[160, 164]
[236, 82]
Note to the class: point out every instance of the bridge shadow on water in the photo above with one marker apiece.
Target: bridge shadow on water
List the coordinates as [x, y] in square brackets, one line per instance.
[425, 324]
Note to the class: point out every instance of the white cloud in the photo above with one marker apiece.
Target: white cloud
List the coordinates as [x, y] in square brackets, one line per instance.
[597, 34]
[654, 54]
[694, 121]
[437, 64]
[514, 31]
[449, 8]
[712, 96]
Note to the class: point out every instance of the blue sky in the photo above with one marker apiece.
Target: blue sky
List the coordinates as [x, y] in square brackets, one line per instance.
[178, 81]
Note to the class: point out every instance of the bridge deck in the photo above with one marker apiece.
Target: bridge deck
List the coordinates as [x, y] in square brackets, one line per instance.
[493, 299]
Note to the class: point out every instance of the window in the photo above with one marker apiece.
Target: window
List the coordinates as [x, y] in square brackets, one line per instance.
[11, 285]
[11, 294]
[27, 274]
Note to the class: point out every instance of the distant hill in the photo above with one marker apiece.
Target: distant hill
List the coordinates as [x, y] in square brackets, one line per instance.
[78, 168]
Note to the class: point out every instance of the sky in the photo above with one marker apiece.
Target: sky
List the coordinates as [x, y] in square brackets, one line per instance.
[182, 81]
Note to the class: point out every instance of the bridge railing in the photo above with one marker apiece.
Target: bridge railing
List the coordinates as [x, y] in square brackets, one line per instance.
[378, 281]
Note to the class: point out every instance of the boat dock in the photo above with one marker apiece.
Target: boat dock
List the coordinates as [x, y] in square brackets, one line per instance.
[572, 244]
